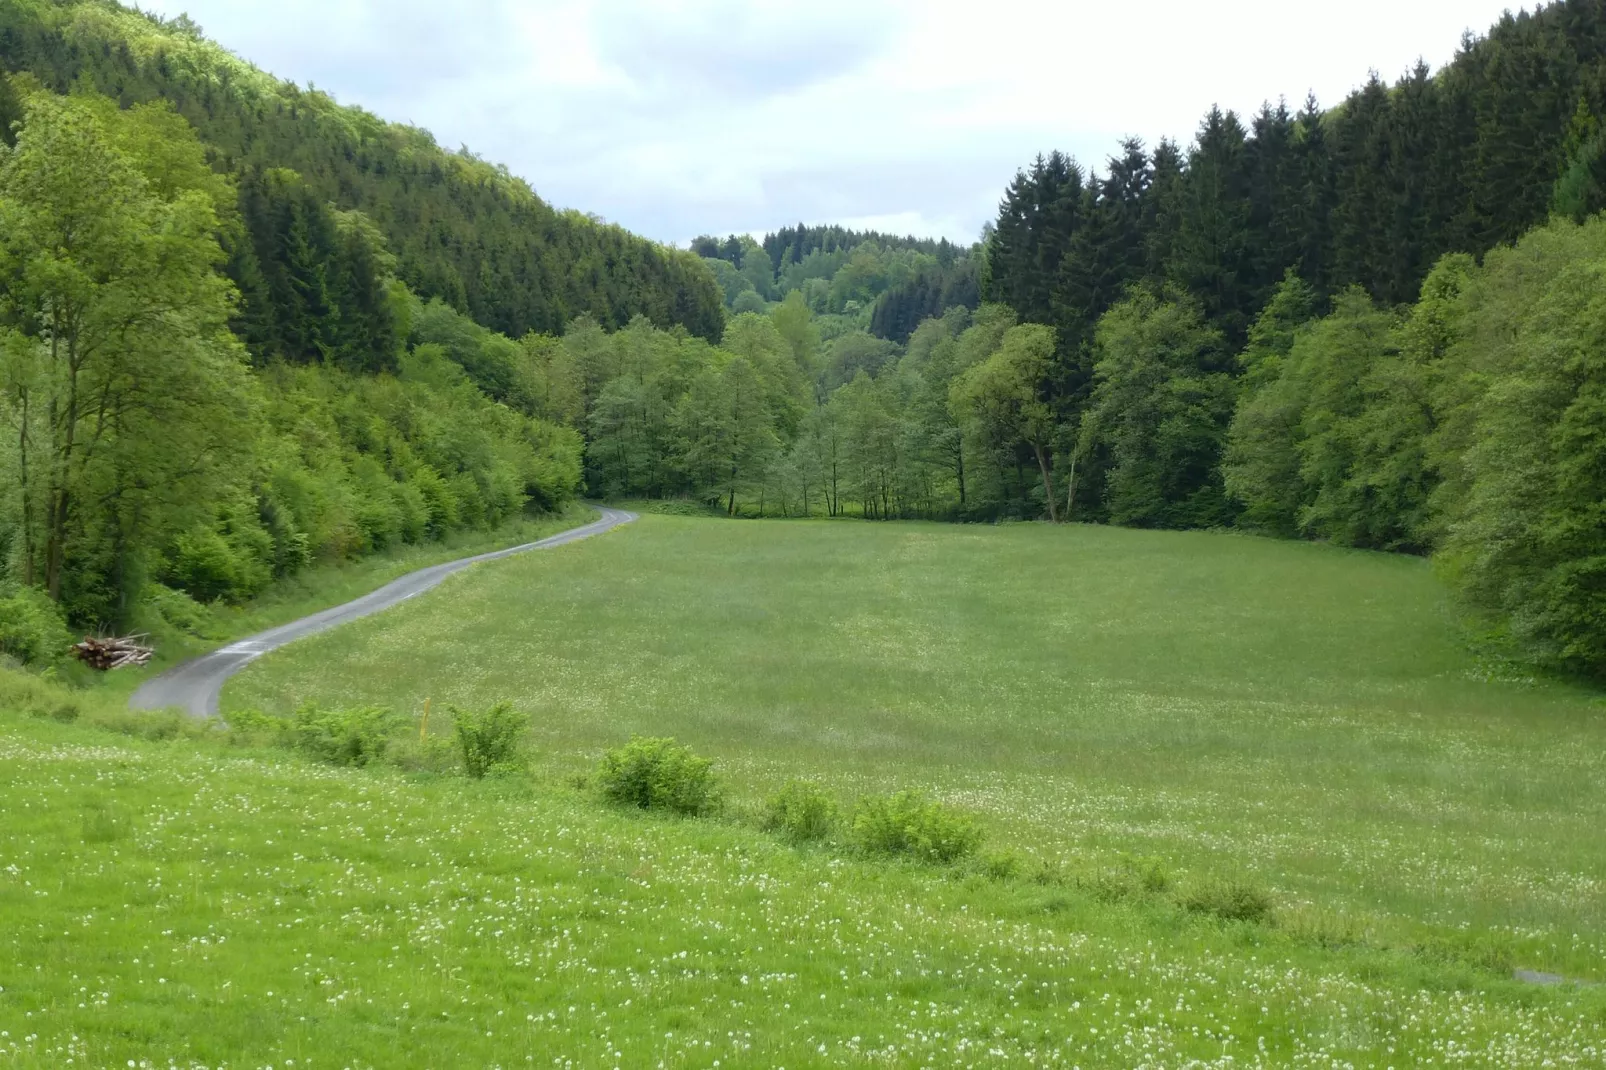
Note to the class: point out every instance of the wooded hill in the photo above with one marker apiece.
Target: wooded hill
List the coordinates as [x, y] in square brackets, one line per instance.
[461, 229]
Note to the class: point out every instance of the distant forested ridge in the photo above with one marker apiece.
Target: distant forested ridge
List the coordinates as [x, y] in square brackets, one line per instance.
[863, 279]
[461, 229]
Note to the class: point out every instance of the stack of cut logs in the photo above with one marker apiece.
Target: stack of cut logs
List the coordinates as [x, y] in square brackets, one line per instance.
[112, 653]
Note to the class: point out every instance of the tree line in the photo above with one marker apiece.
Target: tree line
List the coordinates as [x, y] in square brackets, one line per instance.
[1369, 325]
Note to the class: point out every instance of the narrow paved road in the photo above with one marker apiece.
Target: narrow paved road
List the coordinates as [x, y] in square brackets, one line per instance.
[195, 685]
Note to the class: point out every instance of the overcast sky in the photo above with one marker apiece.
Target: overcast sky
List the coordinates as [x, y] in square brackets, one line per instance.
[679, 117]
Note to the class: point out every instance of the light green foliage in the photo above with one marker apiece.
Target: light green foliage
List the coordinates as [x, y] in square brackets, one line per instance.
[1003, 399]
[32, 630]
[356, 735]
[1159, 414]
[126, 393]
[802, 812]
[141, 447]
[1337, 362]
[489, 739]
[1524, 519]
[658, 774]
[1333, 445]
[909, 823]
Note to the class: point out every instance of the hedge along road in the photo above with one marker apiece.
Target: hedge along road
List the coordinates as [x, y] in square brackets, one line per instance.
[196, 685]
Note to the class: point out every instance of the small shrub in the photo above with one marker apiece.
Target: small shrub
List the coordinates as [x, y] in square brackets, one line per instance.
[1001, 865]
[658, 774]
[179, 611]
[356, 736]
[1228, 900]
[36, 695]
[1151, 875]
[32, 629]
[801, 812]
[909, 824]
[1136, 878]
[489, 739]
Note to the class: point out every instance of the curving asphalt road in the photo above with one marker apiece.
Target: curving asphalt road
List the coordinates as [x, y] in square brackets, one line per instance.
[195, 685]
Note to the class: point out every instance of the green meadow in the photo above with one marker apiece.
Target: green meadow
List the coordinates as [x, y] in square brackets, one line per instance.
[1132, 717]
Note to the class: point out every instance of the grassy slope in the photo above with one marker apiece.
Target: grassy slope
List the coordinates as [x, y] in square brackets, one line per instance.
[1091, 692]
[1303, 715]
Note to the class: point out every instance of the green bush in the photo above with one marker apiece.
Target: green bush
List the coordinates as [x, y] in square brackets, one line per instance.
[489, 739]
[357, 736]
[179, 611]
[1229, 900]
[210, 565]
[32, 629]
[801, 812]
[27, 693]
[910, 824]
[658, 774]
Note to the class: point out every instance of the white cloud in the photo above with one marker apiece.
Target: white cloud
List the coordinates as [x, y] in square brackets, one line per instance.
[676, 117]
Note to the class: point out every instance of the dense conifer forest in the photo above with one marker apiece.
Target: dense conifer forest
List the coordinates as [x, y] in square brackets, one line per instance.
[306, 334]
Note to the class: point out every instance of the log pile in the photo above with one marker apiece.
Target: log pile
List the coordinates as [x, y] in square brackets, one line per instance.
[110, 653]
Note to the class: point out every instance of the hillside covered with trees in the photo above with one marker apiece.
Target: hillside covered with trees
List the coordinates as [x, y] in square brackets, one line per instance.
[1370, 324]
[461, 229]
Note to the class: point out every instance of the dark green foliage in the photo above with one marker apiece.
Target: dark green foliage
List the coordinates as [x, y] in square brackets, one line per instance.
[1228, 900]
[899, 310]
[1370, 194]
[910, 824]
[658, 774]
[489, 739]
[462, 230]
[802, 812]
[792, 245]
[359, 736]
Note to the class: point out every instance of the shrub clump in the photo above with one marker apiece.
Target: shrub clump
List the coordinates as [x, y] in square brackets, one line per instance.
[801, 812]
[1228, 900]
[26, 693]
[32, 629]
[358, 736]
[658, 774]
[489, 739]
[910, 824]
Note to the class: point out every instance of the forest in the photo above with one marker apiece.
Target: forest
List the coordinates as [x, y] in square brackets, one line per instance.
[300, 334]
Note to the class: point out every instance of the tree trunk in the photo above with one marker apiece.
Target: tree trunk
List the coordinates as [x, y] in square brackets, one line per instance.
[1045, 466]
[959, 455]
[27, 500]
[1070, 494]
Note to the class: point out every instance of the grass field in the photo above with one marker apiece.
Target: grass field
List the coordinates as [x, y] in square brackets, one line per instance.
[1301, 719]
